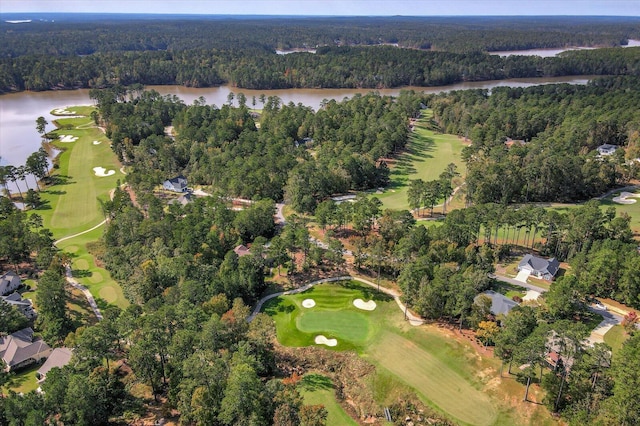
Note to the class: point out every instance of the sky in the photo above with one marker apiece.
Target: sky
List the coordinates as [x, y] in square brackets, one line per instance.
[333, 7]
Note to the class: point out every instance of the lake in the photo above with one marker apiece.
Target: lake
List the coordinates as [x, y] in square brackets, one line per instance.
[18, 111]
[546, 53]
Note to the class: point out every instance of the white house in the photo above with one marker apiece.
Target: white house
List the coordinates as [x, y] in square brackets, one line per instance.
[607, 149]
[9, 282]
[539, 267]
[177, 184]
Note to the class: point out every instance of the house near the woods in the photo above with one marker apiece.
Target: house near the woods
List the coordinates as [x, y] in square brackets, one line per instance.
[9, 282]
[242, 250]
[59, 358]
[607, 149]
[539, 267]
[24, 306]
[500, 304]
[20, 349]
[183, 200]
[176, 184]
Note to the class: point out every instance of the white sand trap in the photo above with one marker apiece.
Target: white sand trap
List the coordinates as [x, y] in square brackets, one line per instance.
[97, 142]
[63, 111]
[308, 303]
[624, 198]
[68, 138]
[321, 340]
[366, 306]
[102, 172]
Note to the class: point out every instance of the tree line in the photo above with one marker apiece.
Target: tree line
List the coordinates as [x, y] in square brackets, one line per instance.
[330, 67]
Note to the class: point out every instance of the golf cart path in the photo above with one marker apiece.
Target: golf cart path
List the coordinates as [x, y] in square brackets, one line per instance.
[413, 319]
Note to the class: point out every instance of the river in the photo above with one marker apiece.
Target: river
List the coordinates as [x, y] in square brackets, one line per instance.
[18, 111]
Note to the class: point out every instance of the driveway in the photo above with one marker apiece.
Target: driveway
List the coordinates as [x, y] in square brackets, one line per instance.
[523, 275]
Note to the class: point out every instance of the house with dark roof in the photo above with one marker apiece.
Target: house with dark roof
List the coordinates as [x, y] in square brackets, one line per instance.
[607, 149]
[24, 306]
[539, 267]
[176, 184]
[183, 200]
[59, 358]
[9, 282]
[500, 304]
[20, 349]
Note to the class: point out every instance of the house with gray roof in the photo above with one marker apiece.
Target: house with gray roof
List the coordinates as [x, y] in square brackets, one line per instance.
[23, 306]
[539, 267]
[500, 304]
[59, 358]
[176, 184]
[9, 282]
[20, 349]
[607, 149]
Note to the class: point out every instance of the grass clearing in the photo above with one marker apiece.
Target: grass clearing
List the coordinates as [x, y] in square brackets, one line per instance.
[72, 203]
[98, 280]
[23, 381]
[427, 155]
[439, 370]
[616, 338]
[318, 389]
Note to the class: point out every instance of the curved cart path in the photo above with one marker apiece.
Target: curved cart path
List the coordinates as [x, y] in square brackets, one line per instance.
[413, 319]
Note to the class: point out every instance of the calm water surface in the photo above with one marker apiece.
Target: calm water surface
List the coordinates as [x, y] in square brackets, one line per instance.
[546, 53]
[18, 111]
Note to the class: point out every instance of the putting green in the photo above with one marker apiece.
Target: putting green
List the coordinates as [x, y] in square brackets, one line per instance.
[96, 277]
[81, 264]
[108, 294]
[347, 325]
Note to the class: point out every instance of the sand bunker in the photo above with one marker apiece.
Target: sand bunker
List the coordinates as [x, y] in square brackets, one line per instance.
[97, 142]
[68, 138]
[102, 172]
[366, 306]
[308, 303]
[321, 340]
[624, 198]
[63, 111]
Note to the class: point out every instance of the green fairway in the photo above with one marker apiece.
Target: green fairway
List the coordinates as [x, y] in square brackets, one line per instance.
[633, 210]
[434, 376]
[72, 202]
[98, 280]
[317, 389]
[427, 155]
[438, 370]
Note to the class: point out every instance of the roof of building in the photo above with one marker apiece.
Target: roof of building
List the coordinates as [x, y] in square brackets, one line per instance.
[500, 304]
[5, 281]
[607, 147]
[59, 358]
[539, 264]
[242, 250]
[19, 346]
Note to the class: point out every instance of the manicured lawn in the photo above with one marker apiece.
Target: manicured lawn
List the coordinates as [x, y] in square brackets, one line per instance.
[24, 380]
[615, 338]
[333, 316]
[72, 204]
[437, 369]
[633, 210]
[317, 389]
[427, 155]
[98, 280]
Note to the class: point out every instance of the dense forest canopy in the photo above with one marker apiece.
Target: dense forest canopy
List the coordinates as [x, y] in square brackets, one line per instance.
[350, 52]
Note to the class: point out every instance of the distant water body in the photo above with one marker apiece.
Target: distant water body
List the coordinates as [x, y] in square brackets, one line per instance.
[18, 111]
[547, 53]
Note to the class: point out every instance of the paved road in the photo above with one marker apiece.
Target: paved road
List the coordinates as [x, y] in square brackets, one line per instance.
[413, 319]
[517, 283]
